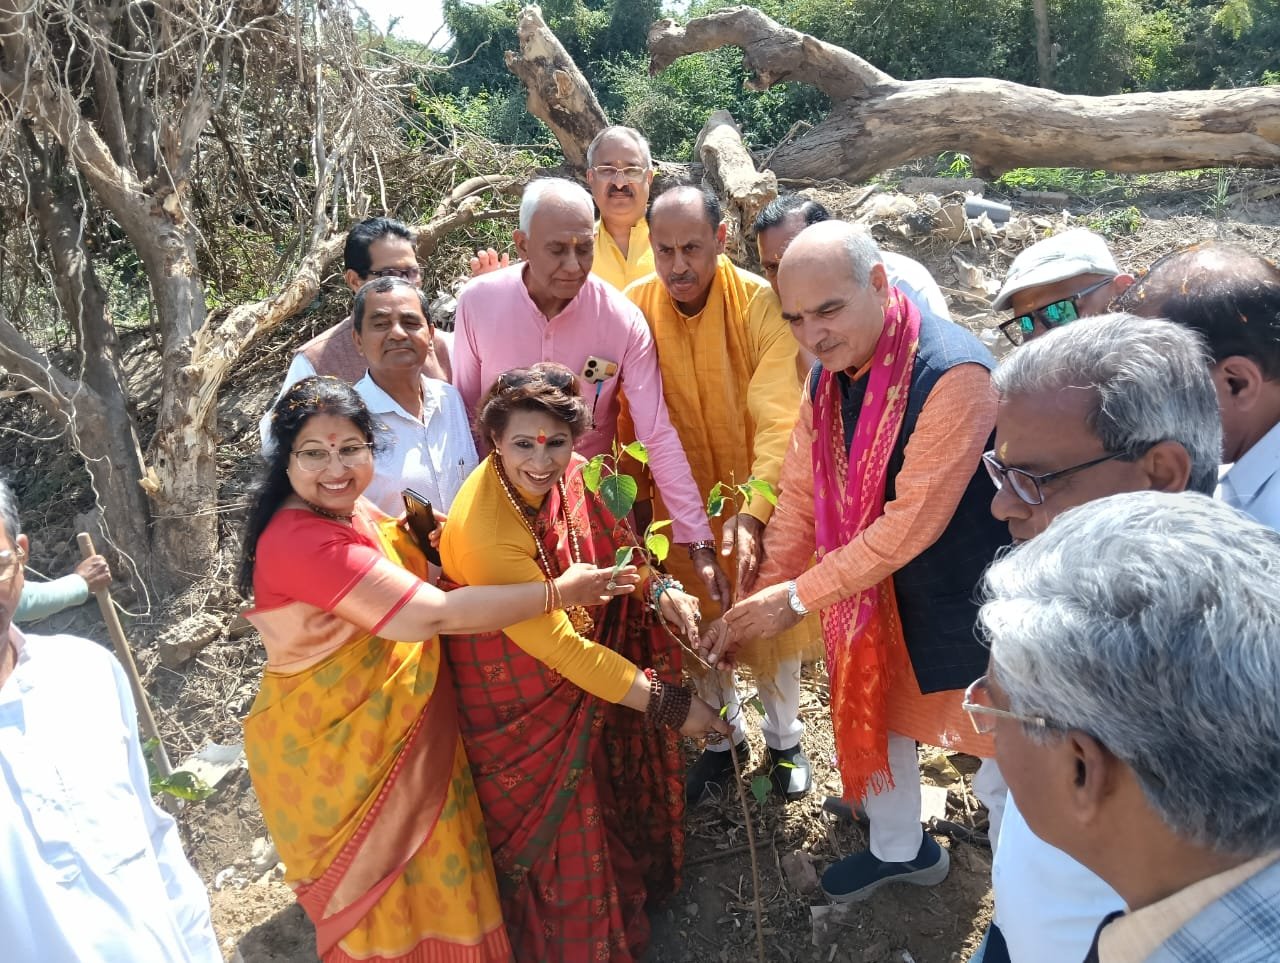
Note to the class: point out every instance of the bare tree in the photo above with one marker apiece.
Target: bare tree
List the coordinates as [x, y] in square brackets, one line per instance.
[176, 134]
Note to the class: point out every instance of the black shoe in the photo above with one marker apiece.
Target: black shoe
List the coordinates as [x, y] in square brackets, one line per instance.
[712, 767]
[790, 773]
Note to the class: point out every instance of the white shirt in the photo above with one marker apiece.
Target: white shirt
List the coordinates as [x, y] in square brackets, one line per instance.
[1252, 484]
[1047, 905]
[915, 281]
[432, 456]
[92, 871]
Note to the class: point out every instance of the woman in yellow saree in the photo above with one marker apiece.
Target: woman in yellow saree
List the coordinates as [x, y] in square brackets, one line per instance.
[353, 741]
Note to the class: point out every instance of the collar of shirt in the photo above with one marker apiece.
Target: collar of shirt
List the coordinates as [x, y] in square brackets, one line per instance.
[574, 304]
[16, 683]
[1137, 935]
[1253, 469]
[381, 403]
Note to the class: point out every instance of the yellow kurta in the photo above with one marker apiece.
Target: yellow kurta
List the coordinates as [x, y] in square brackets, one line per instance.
[487, 543]
[731, 385]
[618, 269]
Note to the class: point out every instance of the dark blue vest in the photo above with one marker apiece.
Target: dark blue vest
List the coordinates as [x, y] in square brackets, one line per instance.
[937, 597]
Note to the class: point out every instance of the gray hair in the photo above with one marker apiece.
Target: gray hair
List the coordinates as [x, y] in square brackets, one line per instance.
[862, 252]
[1149, 620]
[1151, 378]
[386, 286]
[629, 132]
[551, 188]
[9, 512]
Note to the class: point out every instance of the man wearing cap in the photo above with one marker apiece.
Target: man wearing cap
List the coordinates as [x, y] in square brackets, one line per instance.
[1054, 281]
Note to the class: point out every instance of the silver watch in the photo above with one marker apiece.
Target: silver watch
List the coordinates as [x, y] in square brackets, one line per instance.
[793, 599]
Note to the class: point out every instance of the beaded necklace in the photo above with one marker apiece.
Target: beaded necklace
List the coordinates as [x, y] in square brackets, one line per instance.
[578, 615]
[325, 513]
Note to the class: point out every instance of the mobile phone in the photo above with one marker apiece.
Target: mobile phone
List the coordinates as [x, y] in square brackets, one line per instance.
[421, 521]
[596, 370]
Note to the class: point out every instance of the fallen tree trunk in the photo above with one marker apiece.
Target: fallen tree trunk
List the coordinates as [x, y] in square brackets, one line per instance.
[729, 169]
[877, 122]
[559, 95]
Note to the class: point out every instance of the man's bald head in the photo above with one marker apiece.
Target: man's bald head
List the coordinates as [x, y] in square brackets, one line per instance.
[1224, 291]
[553, 191]
[840, 245]
[687, 236]
[834, 293]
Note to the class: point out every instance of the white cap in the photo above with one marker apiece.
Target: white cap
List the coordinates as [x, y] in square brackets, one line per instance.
[1066, 255]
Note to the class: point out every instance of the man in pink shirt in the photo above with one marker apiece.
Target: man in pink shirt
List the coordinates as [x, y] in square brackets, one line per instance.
[549, 307]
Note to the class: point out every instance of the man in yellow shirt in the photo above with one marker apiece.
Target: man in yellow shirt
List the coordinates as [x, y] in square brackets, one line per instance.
[729, 377]
[619, 174]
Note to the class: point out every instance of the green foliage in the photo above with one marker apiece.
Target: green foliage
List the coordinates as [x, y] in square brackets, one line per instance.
[619, 494]
[760, 787]
[1117, 223]
[1070, 180]
[179, 784]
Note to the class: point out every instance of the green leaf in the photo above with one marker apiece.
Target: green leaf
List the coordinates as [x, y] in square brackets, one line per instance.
[715, 500]
[785, 765]
[758, 486]
[619, 494]
[724, 712]
[621, 557]
[591, 473]
[182, 785]
[638, 451]
[760, 787]
[658, 525]
[659, 546]
[756, 704]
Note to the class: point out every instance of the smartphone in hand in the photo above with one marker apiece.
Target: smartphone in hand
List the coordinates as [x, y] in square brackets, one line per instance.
[421, 521]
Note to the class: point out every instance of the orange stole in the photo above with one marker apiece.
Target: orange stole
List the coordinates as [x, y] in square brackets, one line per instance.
[364, 784]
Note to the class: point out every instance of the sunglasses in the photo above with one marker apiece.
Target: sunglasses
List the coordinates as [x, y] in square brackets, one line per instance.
[1052, 315]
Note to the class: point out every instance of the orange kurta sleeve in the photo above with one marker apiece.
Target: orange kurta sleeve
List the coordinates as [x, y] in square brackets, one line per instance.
[941, 456]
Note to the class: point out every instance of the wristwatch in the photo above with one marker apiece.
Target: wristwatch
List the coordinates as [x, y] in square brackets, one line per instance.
[793, 599]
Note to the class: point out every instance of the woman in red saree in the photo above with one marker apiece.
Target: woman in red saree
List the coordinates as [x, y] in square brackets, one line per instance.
[353, 741]
[583, 798]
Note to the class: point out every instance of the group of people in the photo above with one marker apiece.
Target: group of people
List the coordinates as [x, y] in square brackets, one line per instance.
[480, 760]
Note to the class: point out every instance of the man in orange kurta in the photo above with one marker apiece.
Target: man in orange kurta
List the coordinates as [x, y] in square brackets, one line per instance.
[920, 555]
[731, 386]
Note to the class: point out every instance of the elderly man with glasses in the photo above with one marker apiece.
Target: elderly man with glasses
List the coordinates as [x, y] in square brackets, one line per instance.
[1132, 692]
[1110, 404]
[1055, 281]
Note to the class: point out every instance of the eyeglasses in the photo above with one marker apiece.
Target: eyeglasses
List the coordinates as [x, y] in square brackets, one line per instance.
[983, 715]
[10, 562]
[633, 174]
[1052, 315]
[410, 274]
[1027, 486]
[349, 456]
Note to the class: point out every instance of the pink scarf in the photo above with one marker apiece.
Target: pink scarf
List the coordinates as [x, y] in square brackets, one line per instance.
[863, 635]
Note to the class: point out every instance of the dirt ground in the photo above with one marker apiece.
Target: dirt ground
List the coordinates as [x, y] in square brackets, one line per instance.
[711, 919]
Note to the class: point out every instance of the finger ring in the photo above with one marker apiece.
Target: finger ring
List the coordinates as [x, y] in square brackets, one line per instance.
[611, 585]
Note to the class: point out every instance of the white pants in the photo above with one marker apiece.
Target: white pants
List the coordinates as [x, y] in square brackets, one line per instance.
[780, 696]
[894, 814]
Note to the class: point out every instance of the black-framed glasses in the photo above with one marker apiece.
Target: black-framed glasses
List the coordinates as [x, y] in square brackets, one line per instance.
[983, 715]
[608, 172]
[349, 456]
[1027, 486]
[410, 274]
[10, 562]
[1052, 315]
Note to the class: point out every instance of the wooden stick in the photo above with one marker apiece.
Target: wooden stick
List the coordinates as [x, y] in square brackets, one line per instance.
[150, 730]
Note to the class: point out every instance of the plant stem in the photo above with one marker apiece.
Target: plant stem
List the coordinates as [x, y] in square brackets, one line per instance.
[751, 846]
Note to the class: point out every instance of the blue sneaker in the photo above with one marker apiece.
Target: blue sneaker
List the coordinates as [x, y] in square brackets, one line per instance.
[856, 877]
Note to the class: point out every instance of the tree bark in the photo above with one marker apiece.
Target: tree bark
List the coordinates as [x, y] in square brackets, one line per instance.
[729, 169]
[1044, 47]
[877, 122]
[559, 95]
